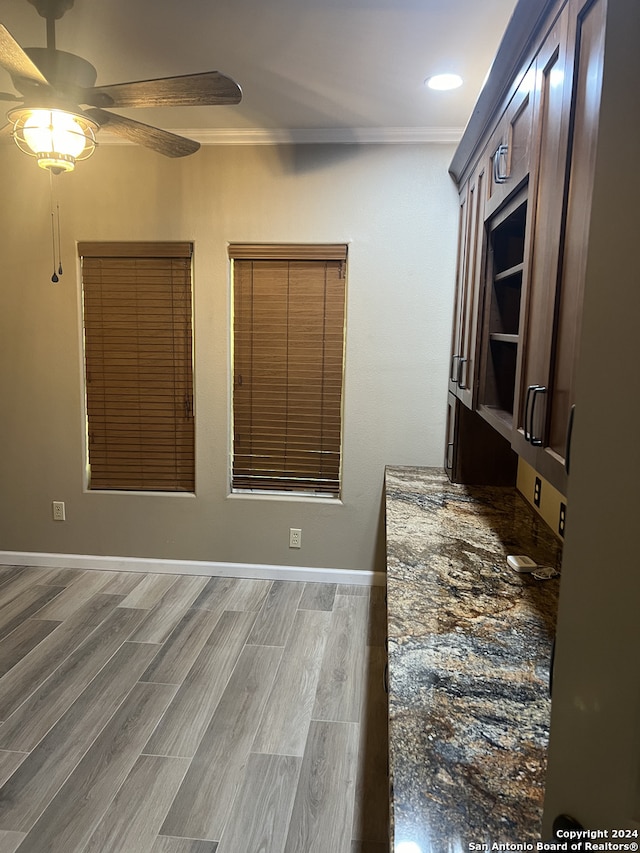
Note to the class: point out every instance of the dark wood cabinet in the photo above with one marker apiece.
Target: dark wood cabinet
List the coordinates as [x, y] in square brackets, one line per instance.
[535, 397]
[469, 271]
[570, 82]
[524, 231]
[590, 20]
[509, 150]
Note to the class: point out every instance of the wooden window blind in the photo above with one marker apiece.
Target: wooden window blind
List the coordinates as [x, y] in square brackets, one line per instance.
[289, 314]
[138, 365]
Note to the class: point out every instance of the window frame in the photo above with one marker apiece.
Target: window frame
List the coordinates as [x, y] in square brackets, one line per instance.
[141, 250]
[255, 252]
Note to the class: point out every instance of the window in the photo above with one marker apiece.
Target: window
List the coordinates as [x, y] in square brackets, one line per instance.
[289, 306]
[138, 365]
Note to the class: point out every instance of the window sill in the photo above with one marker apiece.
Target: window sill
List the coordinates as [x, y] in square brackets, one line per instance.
[283, 496]
[139, 493]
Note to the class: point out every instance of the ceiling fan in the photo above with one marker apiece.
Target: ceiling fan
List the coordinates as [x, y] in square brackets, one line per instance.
[60, 99]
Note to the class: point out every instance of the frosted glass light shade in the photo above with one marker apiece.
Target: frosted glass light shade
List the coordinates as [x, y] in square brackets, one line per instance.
[56, 138]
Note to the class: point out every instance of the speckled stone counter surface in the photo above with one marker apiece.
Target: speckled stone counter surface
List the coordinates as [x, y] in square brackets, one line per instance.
[469, 651]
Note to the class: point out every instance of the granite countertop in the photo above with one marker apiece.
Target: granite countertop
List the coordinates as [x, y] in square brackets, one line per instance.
[469, 650]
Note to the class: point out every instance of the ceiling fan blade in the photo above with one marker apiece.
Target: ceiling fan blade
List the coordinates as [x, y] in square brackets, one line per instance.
[190, 90]
[158, 140]
[5, 96]
[16, 61]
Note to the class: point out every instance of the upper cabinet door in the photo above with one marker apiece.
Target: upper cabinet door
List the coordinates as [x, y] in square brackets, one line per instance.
[509, 152]
[570, 83]
[462, 376]
[553, 87]
[588, 77]
[467, 372]
[460, 291]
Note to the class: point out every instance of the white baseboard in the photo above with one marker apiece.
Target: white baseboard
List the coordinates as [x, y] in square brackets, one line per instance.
[192, 567]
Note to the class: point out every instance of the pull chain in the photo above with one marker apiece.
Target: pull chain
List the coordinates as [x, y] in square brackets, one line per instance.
[54, 277]
[59, 242]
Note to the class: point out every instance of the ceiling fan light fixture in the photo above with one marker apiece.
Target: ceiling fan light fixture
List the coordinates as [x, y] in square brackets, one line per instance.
[56, 138]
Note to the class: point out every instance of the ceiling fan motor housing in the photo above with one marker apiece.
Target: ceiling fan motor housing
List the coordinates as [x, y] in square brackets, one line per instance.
[52, 9]
[65, 72]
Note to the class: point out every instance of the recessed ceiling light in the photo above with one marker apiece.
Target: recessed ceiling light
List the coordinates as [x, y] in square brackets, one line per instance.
[443, 82]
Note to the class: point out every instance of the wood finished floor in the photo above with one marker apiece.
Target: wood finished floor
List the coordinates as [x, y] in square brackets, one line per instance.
[173, 714]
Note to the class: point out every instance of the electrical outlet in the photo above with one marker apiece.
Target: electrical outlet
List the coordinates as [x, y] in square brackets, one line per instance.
[295, 537]
[537, 491]
[58, 511]
[563, 519]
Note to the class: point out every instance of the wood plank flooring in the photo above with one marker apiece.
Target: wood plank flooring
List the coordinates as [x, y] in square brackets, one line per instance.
[173, 714]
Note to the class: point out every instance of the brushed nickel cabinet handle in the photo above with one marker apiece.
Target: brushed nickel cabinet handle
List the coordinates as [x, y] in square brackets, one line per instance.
[527, 434]
[461, 365]
[536, 441]
[529, 408]
[449, 459]
[567, 452]
[453, 376]
[500, 175]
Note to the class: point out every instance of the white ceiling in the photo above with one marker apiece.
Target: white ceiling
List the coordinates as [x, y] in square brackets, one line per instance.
[314, 67]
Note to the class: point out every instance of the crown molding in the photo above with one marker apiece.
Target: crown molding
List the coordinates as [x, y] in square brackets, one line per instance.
[515, 54]
[311, 136]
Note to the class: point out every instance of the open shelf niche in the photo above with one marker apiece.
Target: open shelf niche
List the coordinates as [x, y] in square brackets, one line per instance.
[505, 267]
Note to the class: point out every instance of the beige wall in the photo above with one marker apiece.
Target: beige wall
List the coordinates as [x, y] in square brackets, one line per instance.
[550, 498]
[394, 205]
